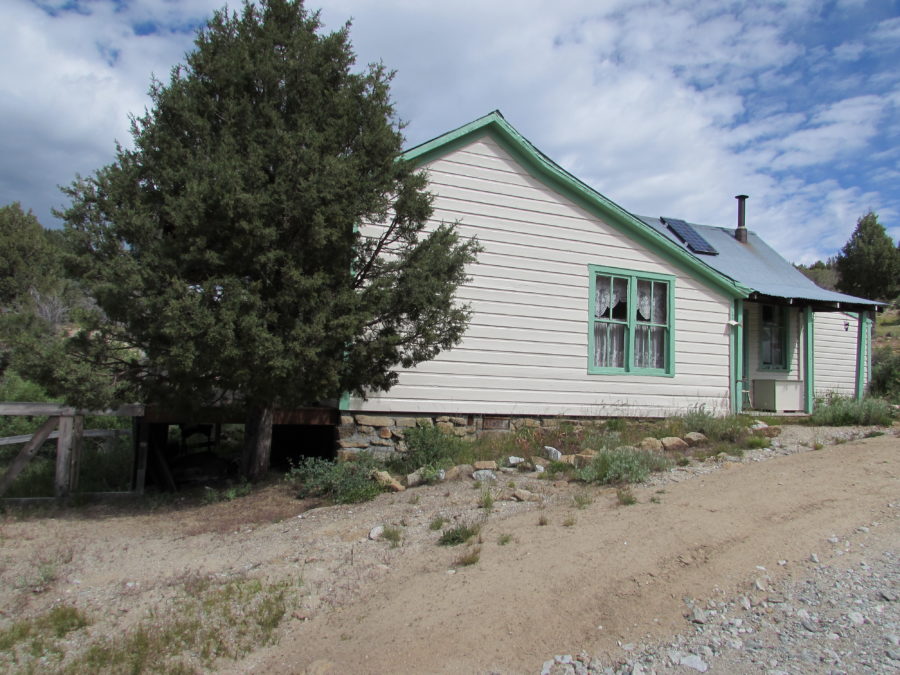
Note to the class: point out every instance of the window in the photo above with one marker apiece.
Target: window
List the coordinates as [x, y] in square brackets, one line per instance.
[773, 338]
[630, 327]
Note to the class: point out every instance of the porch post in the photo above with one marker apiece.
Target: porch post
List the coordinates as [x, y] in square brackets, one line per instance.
[862, 353]
[737, 354]
[809, 358]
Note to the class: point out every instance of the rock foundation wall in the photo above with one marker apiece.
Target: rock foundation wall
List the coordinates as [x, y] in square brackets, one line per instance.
[384, 435]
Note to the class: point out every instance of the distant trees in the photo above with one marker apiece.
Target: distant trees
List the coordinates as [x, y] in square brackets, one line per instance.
[822, 273]
[868, 265]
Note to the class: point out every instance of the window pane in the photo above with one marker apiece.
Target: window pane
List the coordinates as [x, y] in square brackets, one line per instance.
[609, 345]
[602, 297]
[650, 347]
[660, 302]
[644, 300]
[619, 301]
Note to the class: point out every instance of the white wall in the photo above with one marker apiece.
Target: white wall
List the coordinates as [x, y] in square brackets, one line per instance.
[525, 351]
[835, 364]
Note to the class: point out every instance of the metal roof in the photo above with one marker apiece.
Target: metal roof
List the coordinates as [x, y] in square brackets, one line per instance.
[757, 265]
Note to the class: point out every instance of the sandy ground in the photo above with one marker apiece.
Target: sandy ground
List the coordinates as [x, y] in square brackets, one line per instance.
[591, 579]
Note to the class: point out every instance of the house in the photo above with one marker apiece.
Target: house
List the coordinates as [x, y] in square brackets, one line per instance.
[582, 309]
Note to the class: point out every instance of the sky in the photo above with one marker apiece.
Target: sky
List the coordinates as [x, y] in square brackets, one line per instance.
[667, 107]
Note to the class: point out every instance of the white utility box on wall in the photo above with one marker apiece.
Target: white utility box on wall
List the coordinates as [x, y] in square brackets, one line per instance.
[778, 395]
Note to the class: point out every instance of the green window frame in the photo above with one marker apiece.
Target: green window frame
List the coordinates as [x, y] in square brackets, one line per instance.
[631, 322]
[774, 333]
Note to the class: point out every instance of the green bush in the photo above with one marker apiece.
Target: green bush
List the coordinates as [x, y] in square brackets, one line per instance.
[622, 465]
[730, 428]
[430, 447]
[886, 374]
[459, 534]
[843, 411]
[338, 482]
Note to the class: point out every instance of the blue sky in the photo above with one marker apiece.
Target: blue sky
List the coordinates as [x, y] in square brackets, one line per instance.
[667, 107]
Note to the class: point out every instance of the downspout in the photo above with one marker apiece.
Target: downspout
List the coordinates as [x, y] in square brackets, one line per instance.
[862, 353]
[809, 357]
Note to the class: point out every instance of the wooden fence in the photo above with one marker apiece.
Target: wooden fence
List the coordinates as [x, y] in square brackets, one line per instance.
[66, 425]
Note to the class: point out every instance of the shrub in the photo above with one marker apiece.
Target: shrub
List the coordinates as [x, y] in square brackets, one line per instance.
[626, 496]
[886, 374]
[622, 465]
[470, 557]
[754, 442]
[393, 535]
[840, 411]
[429, 447]
[437, 523]
[338, 482]
[716, 428]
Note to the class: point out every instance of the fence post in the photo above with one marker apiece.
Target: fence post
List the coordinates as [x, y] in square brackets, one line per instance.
[77, 447]
[27, 452]
[64, 456]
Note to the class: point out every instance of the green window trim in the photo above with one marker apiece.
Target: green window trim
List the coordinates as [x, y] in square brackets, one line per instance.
[778, 323]
[632, 328]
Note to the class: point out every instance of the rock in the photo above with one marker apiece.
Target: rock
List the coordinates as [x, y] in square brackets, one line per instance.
[484, 475]
[540, 463]
[856, 618]
[814, 558]
[673, 444]
[651, 444]
[512, 460]
[552, 453]
[453, 473]
[406, 422]
[695, 438]
[695, 662]
[446, 427]
[698, 615]
[758, 424]
[745, 603]
[384, 432]
[415, 478]
[568, 459]
[890, 596]
[485, 466]
[374, 421]
[376, 532]
[525, 496]
[768, 432]
[465, 470]
[385, 479]
[353, 444]
[582, 459]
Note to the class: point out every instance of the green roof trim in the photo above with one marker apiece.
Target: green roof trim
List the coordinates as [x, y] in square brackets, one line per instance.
[549, 172]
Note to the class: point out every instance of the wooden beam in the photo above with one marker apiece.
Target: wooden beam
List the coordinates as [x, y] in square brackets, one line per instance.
[63, 456]
[25, 455]
[54, 409]
[77, 446]
[140, 465]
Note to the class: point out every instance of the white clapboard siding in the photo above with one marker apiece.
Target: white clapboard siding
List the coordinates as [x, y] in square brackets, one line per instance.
[525, 351]
[835, 355]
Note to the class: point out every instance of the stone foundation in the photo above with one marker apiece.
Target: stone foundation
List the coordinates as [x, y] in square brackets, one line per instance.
[383, 434]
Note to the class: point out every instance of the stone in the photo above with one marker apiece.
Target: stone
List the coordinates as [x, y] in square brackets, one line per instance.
[856, 618]
[484, 475]
[346, 430]
[346, 420]
[567, 459]
[465, 470]
[446, 427]
[442, 418]
[758, 424]
[486, 465]
[459, 421]
[540, 463]
[385, 479]
[353, 444]
[384, 432]
[374, 421]
[698, 615]
[382, 441]
[376, 532]
[347, 456]
[460, 431]
[651, 444]
[695, 438]
[425, 422]
[405, 422]
[673, 444]
[397, 433]
[552, 453]
[695, 662]
[522, 495]
[512, 460]
[768, 432]
[890, 596]
[582, 459]
[415, 478]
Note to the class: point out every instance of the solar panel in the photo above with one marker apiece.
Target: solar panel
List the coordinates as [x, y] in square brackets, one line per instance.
[690, 236]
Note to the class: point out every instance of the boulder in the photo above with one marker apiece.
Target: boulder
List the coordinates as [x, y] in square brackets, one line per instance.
[459, 472]
[552, 453]
[512, 460]
[651, 444]
[376, 532]
[582, 459]
[693, 438]
[385, 479]
[487, 465]
[484, 475]
[521, 495]
[673, 444]
[446, 427]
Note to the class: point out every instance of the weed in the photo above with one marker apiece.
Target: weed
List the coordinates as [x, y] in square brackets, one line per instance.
[754, 442]
[486, 500]
[393, 535]
[339, 482]
[655, 500]
[414, 499]
[839, 411]
[428, 447]
[511, 485]
[626, 496]
[459, 534]
[556, 467]
[874, 434]
[582, 499]
[504, 539]
[569, 522]
[37, 638]
[542, 520]
[470, 557]
[622, 465]
[437, 523]
[683, 461]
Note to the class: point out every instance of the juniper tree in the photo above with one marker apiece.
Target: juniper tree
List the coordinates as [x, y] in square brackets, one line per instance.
[224, 248]
[869, 264]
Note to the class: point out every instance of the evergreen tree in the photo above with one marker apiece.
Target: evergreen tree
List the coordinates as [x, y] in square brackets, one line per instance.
[224, 250]
[869, 265]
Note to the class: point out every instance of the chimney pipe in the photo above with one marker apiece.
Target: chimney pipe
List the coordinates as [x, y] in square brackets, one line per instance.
[741, 232]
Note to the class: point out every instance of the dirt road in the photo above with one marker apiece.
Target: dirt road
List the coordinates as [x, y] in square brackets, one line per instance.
[590, 579]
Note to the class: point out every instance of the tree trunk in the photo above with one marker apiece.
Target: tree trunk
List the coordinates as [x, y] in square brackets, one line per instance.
[257, 442]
